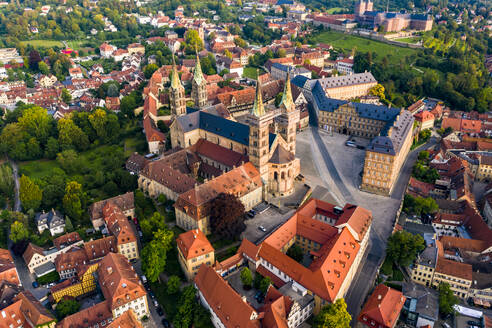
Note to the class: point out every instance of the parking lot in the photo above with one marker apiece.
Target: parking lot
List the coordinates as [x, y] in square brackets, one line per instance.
[269, 219]
[235, 281]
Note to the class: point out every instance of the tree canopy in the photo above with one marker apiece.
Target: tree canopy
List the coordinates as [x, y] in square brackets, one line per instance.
[403, 247]
[447, 299]
[154, 254]
[333, 315]
[227, 216]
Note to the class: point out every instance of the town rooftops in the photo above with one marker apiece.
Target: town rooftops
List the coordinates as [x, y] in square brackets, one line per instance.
[228, 305]
[383, 307]
[66, 239]
[193, 243]
[454, 269]
[424, 116]
[346, 80]
[89, 317]
[125, 202]
[127, 320]
[119, 282]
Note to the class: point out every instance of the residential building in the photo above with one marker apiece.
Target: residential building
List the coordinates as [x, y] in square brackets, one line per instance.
[84, 283]
[52, 221]
[120, 228]
[106, 50]
[425, 266]
[458, 275]
[136, 48]
[24, 310]
[127, 320]
[481, 289]
[9, 56]
[383, 307]
[41, 261]
[193, 207]
[231, 65]
[421, 306]
[121, 286]
[472, 127]
[125, 202]
[425, 120]
[344, 65]
[227, 308]
[279, 71]
[194, 249]
[484, 171]
[98, 315]
[8, 271]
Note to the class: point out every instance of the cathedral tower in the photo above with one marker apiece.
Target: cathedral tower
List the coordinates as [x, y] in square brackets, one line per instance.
[176, 93]
[199, 86]
[289, 119]
[259, 132]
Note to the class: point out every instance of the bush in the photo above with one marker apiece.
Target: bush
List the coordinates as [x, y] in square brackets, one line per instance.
[387, 267]
[397, 275]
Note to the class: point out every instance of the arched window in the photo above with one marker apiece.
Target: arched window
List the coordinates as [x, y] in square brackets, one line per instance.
[282, 176]
[275, 175]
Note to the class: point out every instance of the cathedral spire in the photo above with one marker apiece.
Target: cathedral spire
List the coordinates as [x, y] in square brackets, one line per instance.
[175, 82]
[197, 74]
[258, 108]
[287, 102]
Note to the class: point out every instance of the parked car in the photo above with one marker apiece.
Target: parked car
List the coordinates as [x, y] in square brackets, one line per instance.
[35, 284]
[144, 279]
[156, 304]
[262, 228]
[165, 323]
[159, 311]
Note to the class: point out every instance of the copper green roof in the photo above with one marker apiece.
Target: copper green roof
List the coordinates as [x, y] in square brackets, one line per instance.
[287, 101]
[197, 74]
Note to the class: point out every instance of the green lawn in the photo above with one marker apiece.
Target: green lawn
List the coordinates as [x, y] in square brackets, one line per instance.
[75, 45]
[332, 11]
[413, 39]
[43, 43]
[348, 42]
[252, 72]
[38, 169]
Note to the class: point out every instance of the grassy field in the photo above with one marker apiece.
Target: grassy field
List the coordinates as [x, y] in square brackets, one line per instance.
[75, 45]
[43, 43]
[413, 39]
[332, 11]
[348, 42]
[251, 72]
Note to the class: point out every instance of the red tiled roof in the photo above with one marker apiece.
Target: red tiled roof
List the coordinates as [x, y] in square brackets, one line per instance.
[193, 243]
[383, 307]
[228, 305]
[453, 268]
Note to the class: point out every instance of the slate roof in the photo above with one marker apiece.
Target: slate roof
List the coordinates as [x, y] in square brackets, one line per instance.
[232, 130]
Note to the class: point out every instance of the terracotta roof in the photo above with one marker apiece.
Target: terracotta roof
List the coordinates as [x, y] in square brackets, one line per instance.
[239, 181]
[8, 272]
[471, 245]
[127, 320]
[277, 308]
[119, 282]
[89, 317]
[424, 116]
[193, 243]
[66, 239]
[27, 309]
[95, 249]
[124, 202]
[228, 157]
[249, 249]
[70, 260]
[454, 269]
[463, 125]
[232, 311]
[419, 188]
[383, 307]
[118, 224]
[30, 251]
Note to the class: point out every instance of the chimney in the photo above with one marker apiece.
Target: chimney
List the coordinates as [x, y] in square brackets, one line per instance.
[110, 270]
[379, 297]
[244, 299]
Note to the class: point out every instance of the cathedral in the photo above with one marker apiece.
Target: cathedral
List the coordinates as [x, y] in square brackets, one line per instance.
[266, 135]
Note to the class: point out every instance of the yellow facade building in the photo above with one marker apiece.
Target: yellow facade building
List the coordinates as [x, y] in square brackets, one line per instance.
[194, 249]
[81, 285]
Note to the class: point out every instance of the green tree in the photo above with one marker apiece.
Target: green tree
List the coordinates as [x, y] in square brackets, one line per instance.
[173, 284]
[73, 200]
[29, 193]
[68, 160]
[149, 70]
[68, 224]
[447, 299]
[43, 68]
[70, 135]
[333, 315]
[127, 105]
[36, 122]
[193, 41]
[52, 148]
[403, 247]
[264, 284]
[18, 232]
[378, 91]
[296, 252]
[66, 96]
[152, 224]
[246, 278]
[67, 307]
[227, 216]
[186, 308]
[154, 254]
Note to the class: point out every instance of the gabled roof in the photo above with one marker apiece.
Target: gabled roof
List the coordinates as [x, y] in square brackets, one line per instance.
[127, 320]
[228, 305]
[281, 156]
[383, 307]
[193, 243]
